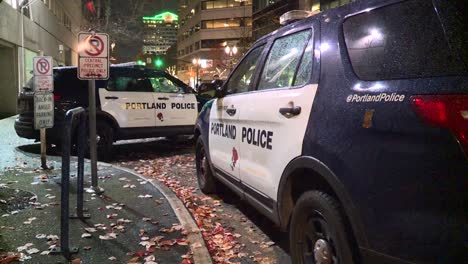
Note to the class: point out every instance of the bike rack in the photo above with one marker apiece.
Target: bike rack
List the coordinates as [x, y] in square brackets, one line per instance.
[79, 115]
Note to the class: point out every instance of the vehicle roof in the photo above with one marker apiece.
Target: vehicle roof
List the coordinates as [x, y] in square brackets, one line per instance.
[337, 11]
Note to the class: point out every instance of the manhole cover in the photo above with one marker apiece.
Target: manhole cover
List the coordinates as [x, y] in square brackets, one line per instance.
[14, 199]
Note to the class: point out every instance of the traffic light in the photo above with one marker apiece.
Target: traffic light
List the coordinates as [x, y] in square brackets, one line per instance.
[158, 63]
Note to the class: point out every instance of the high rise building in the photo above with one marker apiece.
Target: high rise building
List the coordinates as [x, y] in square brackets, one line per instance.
[28, 28]
[266, 13]
[212, 36]
[160, 33]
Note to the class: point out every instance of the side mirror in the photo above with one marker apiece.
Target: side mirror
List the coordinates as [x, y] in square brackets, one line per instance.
[220, 92]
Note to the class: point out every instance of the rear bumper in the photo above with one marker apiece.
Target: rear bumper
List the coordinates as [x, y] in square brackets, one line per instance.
[25, 129]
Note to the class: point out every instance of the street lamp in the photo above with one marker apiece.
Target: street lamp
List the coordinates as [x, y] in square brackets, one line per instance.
[112, 57]
[197, 62]
[230, 52]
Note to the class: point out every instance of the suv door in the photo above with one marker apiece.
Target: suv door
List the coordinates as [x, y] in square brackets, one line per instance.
[224, 118]
[181, 107]
[273, 118]
[128, 97]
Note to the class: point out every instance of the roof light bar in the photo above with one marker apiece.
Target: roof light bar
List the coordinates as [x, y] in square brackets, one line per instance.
[295, 15]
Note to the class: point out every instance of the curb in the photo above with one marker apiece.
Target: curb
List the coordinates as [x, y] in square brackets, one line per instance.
[198, 247]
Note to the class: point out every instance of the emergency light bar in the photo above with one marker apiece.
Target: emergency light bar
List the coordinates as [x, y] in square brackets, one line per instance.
[295, 15]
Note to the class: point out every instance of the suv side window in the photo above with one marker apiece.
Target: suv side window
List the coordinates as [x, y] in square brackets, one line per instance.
[129, 84]
[281, 65]
[242, 76]
[162, 84]
[411, 45]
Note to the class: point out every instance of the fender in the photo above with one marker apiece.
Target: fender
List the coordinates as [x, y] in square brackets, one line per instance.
[105, 115]
[307, 162]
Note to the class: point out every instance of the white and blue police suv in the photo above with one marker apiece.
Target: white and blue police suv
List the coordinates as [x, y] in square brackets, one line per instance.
[135, 102]
[349, 128]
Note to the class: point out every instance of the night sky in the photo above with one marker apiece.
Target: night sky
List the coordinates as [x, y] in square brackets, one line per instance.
[127, 14]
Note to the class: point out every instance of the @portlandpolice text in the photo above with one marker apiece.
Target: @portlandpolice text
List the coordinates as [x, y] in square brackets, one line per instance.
[252, 136]
[140, 106]
[382, 97]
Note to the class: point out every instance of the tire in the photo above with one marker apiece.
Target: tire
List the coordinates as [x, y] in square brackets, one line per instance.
[105, 139]
[317, 231]
[205, 178]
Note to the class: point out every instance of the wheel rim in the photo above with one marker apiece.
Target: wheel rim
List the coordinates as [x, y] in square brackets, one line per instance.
[317, 243]
[202, 167]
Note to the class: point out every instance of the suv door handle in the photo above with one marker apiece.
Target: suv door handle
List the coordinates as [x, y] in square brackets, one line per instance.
[290, 111]
[231, 111]
[111, 97]
[163, 98]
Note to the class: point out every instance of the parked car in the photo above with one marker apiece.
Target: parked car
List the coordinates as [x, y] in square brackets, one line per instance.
[349, 129]
[134, 103]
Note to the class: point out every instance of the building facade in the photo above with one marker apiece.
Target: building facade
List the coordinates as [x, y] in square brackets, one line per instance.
[160, 33]
[28, 28]
[206, 30]
[266, 13]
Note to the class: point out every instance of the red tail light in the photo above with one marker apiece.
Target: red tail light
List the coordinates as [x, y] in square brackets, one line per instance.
[446, 111]
[57, 97]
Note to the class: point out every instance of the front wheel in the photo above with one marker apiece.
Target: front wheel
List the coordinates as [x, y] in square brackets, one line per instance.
[104, 141]
[205, 178]
[317, 231]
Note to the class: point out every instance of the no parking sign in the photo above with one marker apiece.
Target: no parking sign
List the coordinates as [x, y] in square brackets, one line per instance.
[43, 68]
[93, 51]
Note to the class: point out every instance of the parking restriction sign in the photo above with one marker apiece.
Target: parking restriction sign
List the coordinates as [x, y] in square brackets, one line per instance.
[93, 51]
[43, 69]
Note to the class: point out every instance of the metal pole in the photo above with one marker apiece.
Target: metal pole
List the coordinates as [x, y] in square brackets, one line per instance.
[42, 132]
[65, 194]
[197, 74]
[81, 141]
[92, 134]
[43, 137]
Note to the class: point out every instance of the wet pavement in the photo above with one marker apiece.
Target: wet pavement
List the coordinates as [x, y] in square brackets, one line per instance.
[131, 222]
[234, 231]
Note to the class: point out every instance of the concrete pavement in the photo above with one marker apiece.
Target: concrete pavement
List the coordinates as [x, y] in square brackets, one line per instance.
[136, 219]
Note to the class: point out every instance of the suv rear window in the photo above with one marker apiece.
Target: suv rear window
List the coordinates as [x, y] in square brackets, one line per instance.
[399, 41]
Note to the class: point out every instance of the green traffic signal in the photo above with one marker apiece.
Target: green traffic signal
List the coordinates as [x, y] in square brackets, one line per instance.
[158, 63]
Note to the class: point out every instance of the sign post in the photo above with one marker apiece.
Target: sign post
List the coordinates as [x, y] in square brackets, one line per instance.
[93, 64]
[43, 100]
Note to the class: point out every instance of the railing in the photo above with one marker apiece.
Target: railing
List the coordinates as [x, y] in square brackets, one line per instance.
[77, 117]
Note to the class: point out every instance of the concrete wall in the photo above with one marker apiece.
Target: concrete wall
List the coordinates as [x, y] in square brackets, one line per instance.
[42, 31]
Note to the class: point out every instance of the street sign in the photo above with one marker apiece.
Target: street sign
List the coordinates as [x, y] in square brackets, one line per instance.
[43, 110]
[43, 70]
[93, 51]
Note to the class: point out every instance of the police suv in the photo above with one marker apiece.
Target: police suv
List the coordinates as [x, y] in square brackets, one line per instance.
[135, 102]
[349, 128]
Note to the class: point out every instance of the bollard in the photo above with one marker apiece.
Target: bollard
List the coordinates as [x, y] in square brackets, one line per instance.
[65, 248]
[80, 175]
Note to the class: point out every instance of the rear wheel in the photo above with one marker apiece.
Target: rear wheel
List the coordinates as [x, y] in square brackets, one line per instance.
[206, 180]
[317, 232]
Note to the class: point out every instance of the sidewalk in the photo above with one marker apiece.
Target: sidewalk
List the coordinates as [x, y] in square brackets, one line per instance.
[132, 222]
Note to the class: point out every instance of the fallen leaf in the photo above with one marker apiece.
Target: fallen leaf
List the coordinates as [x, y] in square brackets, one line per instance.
[90, 229]
[32, 251]
[108, 236]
